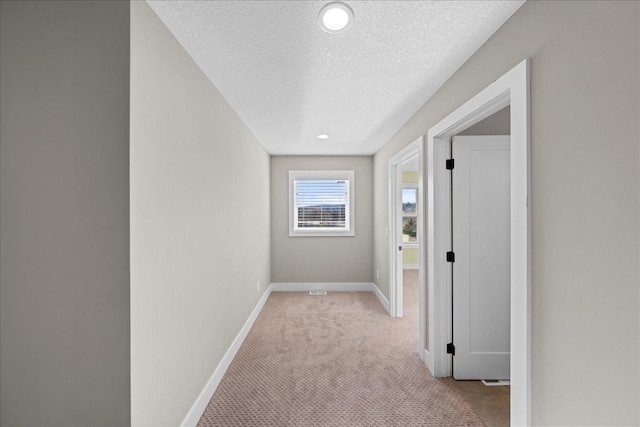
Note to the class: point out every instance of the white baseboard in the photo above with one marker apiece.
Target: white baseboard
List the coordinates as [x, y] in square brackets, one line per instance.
[428, 360]
[332, 287]
[383, 300]
[196, 411]
[411, 266]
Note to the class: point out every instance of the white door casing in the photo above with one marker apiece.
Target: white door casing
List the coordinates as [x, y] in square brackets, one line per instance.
[512, 89]
[395, 236]
[481, 243]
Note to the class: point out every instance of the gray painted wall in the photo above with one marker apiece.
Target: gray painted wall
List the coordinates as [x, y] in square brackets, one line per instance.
[585, 199]
[496, 124]
[64, 214]
[64, 218]
[321, 259]
[199, 224]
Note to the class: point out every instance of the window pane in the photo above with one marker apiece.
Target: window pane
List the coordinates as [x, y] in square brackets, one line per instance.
[321, 203]
[409, 199]
[409, 229]
[409, 215]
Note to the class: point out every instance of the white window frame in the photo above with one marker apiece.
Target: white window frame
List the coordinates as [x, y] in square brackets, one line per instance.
[347, 175]
[412, 186]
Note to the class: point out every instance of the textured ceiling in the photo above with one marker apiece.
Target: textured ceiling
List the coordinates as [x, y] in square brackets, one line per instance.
[289, 80]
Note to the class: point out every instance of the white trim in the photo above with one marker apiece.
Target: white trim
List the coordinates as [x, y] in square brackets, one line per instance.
[196, 411]
[512, 89]
[395, 259]
[410, 245]
[347, 175]
[395, 263]
[395, 215]
[331, 287]
[198, 408]
[383, 300]
[417, 213]
[410, 266]
[440, 332]
[494, 384]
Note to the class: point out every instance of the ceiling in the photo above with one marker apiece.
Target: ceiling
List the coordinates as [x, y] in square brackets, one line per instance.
[289, 80]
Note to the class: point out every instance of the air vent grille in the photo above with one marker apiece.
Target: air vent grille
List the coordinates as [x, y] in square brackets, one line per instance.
[317, 292]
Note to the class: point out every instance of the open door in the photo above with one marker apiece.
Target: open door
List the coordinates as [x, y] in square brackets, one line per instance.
[481, 221]
[405, 225]
[407, 231]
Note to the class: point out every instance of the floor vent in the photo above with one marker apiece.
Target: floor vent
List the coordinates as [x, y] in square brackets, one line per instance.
[495, 382]
[317, 292]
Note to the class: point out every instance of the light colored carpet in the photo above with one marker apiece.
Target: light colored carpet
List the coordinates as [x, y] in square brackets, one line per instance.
[334, 360]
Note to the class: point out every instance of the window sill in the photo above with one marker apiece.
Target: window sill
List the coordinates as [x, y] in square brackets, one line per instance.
[350, 233]
[411, 245]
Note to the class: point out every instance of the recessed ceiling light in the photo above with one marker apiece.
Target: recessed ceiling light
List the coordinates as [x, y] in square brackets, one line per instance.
[323, 136]
[335, 17]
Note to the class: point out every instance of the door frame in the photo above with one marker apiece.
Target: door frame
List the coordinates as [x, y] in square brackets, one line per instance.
[512, 89]
[416, 148]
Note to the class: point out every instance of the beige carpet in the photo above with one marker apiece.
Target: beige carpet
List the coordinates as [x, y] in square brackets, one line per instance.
[334, 360]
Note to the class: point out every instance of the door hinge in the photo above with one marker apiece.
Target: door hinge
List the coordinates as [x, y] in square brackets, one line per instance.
[451, 349]
[449, 164]
[399, 248]
[451, 257]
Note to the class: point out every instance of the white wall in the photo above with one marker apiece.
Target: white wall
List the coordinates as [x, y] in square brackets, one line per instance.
[321, 259]
[64, 213]
[199, 224]
[585, 199]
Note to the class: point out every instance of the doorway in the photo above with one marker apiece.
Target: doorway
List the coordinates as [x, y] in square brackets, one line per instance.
[406, 230]
[511, 90]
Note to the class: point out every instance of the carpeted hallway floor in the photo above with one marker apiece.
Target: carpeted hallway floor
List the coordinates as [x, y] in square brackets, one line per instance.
[334, 360]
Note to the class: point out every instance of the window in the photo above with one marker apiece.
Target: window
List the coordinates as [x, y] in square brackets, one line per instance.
[410, 214]
[321, 203]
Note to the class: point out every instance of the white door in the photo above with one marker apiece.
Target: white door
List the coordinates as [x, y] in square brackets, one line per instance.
[399, 285]
[405, 221]
[481, 244]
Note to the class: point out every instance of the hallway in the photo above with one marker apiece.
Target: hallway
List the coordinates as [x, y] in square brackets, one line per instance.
[334, 360]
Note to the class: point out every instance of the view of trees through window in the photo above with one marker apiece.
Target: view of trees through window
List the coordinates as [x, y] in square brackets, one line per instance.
[409, 215]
